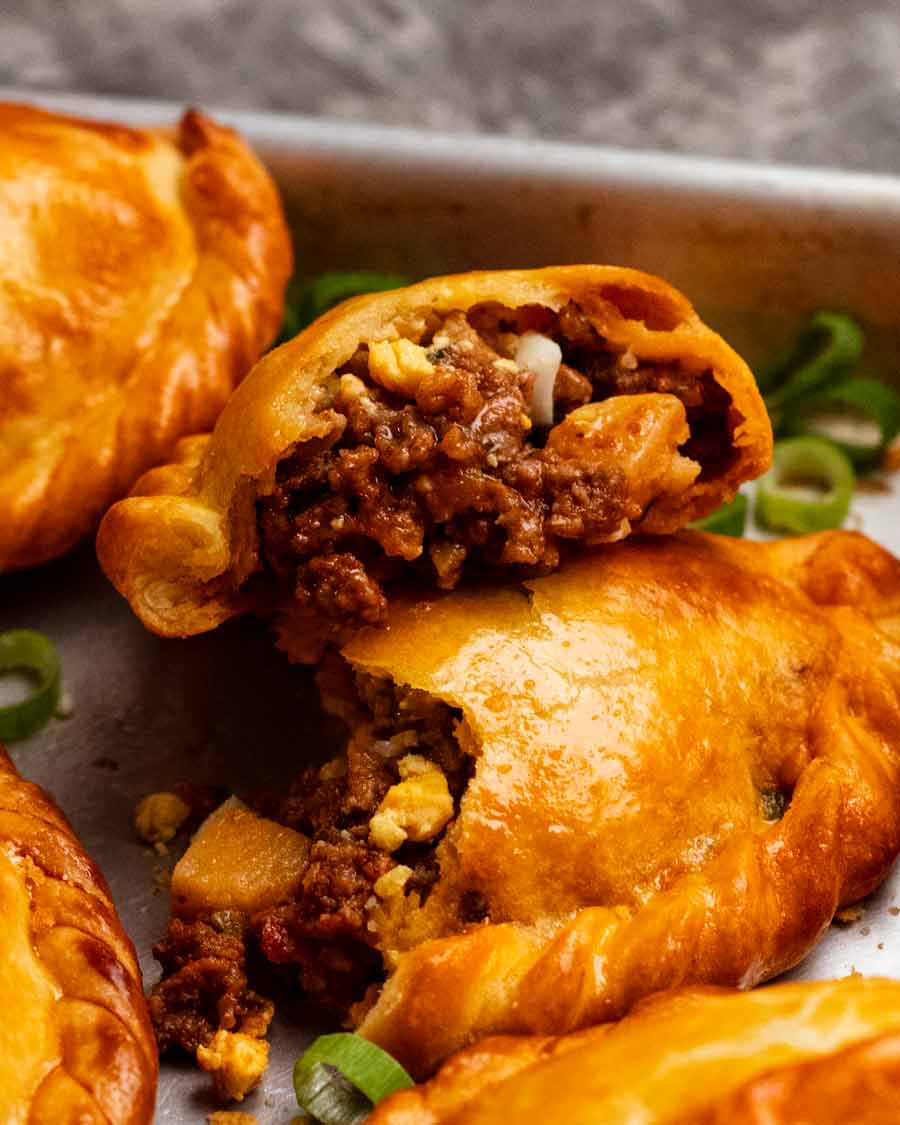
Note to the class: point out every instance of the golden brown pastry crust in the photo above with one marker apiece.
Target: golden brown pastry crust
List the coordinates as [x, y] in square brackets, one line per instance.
[861, 1083]
[793, 1054]
[86, 1052]
[182, 548]
[628, 717]
[143, 274]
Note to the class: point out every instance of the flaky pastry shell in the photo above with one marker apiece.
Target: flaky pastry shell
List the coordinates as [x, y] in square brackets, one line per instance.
[75, 1040]
[185, 546]
[143, 272]
[686, 758]
[826, 1052]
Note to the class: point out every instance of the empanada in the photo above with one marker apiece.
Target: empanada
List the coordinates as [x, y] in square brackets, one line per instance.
[76, 1044]
[463, 425]
[822, 1053]
[669, 762]
[142, 272]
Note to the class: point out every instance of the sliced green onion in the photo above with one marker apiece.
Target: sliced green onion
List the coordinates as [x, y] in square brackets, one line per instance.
[307, 301]
[808, 488]
[329, 289]
[23, 650]
[860, 416]
[341, 1077]
[826, 351]
[326, 1096]
[729, 519]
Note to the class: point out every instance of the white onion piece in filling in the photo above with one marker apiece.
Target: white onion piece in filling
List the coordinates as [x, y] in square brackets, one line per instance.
[543, 356]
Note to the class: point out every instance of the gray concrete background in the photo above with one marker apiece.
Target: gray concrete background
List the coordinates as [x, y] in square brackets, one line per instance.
[788, 80]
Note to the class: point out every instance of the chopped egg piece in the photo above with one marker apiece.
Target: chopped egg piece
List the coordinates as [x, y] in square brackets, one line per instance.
[399, 365]
[543, 356]
[236, 1062]
[416, 809]
[159, 816]
[392, 882]
[414, 765]
[352, 387]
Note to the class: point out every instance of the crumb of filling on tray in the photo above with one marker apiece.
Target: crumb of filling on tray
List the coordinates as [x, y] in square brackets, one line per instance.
[237, 1062]
[159, 817]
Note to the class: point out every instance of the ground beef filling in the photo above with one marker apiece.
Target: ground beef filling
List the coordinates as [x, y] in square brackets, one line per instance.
[322, 934]
[440, 471]
[324, 929]
[204, 986]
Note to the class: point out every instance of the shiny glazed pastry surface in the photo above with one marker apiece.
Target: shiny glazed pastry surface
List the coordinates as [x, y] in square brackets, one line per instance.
[143, 272]
[668, 737]
[75, 1040]
[187, 549]
[825, 1052]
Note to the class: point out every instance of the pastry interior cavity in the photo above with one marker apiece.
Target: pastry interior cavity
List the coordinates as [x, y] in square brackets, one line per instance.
[442, 460]
[375, 817]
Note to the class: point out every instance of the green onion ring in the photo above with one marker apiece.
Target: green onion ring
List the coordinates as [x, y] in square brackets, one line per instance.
[729, 519]
[364, 1075]
[812, 460]
[23, 650]
[307, 301]
[826, 350]
[860, 416]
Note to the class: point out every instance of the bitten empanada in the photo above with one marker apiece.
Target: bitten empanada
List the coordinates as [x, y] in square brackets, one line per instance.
[669, 762]
[463, 425]
[819, 1053]
[142, 272]
[76, 1044]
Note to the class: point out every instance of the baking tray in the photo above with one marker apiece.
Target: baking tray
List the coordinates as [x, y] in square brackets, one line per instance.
[754, 247]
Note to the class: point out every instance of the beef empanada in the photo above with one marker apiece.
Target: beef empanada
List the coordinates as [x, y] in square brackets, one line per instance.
[826, 1052]
[465, 424]
[669, 762]
[76, 1044]
[142, 272]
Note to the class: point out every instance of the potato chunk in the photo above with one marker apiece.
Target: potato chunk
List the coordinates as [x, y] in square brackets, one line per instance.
[238, 861]
[640, 435]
